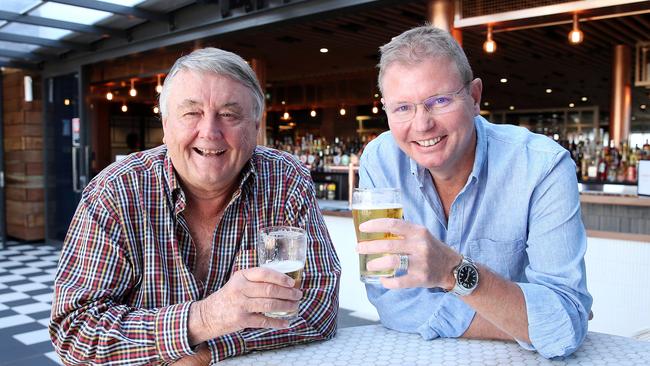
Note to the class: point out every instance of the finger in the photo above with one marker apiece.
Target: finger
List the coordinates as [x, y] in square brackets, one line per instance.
[261, 274]
[405, 281]
[262, 321]
[257, 305]
[397, 246]
[383, 225]
[271, 291]
[383, 263]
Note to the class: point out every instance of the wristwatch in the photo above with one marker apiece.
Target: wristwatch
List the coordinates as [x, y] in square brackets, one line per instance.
[466, 275]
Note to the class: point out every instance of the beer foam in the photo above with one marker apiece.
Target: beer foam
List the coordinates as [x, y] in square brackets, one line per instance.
[284, 266]
[376, 206]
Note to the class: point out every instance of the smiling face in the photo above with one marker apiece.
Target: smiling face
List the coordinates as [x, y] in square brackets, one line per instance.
[443, 143]
[210, 130]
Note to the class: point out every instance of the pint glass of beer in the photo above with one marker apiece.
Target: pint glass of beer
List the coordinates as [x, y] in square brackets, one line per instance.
[283, 249]
[369, 204]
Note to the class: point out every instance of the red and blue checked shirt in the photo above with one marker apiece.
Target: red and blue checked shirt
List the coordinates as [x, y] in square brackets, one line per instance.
[124, 284]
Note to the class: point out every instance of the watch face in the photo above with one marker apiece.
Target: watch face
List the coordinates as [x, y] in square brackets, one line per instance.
[467, 277]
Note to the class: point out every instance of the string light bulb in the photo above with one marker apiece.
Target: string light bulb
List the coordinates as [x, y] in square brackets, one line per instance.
[66, 101]
[576, 36]
[156, 109]
[489, 45]
[286, 115]
[124, 108]
[375, 110]
[158, 86]
[312, 113]
[109, 96]
[133, 92]
[342, 111]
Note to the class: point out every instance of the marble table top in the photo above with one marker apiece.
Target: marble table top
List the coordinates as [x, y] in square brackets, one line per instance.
[376, 345]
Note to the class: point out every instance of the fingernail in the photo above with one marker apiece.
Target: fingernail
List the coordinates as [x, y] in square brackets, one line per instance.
[290, 282]
[298, 294]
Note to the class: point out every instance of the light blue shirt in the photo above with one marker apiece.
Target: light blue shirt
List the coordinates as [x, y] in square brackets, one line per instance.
[518, 214]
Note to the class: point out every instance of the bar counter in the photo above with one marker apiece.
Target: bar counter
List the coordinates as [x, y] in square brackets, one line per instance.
[374, 345]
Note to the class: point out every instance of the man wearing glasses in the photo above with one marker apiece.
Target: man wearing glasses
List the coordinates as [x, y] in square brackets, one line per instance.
[492, 243]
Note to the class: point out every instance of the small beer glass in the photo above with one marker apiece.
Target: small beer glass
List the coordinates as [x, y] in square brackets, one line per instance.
[369, 204]
[283, 249]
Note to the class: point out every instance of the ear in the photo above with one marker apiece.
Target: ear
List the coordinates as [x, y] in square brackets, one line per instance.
[475, 90]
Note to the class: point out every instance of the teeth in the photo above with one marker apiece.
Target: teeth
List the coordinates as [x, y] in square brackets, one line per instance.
[430, 142]
[207, 152]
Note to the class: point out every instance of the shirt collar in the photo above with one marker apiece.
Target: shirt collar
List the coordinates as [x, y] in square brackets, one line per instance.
[176, 195]
[480, 155]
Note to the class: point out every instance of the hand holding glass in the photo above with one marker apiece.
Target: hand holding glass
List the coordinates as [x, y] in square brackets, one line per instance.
[283, 249]
[369, 204]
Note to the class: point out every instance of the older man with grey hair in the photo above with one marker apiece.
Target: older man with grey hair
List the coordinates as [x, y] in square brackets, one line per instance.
[159, 264]
[492, 243]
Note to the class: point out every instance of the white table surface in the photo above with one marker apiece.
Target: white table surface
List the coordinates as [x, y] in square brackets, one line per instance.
[374, 345]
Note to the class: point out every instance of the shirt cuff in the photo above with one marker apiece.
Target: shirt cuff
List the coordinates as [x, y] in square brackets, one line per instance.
[228, 345]
[171, 336]
[550, 328]
[451, 319]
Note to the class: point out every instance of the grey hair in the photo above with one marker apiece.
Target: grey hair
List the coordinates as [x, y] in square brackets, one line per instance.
[214, 60]
[419, 44]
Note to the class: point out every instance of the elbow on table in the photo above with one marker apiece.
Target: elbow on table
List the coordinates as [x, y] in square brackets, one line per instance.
[568, 341]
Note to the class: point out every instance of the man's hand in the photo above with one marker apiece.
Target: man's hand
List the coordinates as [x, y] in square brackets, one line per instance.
[240, 302]
[430, 262]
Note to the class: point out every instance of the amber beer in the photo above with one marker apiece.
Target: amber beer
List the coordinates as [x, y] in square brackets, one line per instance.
[370, 204]
[283, 249]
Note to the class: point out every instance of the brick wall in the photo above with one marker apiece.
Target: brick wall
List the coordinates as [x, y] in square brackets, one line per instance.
[23, 157]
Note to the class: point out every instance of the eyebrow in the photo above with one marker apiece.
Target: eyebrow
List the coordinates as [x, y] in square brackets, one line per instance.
[187, 103]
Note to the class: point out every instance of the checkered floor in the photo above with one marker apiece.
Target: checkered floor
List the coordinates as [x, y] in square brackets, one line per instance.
[26, 282]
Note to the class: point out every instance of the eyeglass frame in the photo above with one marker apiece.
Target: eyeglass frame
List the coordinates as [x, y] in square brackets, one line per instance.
[453, 96]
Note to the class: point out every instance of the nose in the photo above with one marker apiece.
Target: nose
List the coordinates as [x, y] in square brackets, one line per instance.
[423, 120]
[209, 127]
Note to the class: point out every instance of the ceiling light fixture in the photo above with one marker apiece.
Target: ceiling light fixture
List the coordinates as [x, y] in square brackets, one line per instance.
[324, 50]
[486, 104]
[286, 115]
[133, 92]
[576, 36]
[159, 85]
[549, 91]
[584, 99]
[109, 96]
[66, 101]
[342, 111]
[375, 110]
[312, 113]
[503, 80]
[156, 110]
[489, 46]
[571, 105]
[124, 108]
[512, 107]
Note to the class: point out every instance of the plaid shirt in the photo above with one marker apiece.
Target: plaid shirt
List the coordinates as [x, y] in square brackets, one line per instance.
[124, 284]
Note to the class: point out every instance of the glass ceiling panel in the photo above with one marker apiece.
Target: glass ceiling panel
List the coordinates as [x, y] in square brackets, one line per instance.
[18, 47]
[18, 6]
[70, 13]
[35, 31]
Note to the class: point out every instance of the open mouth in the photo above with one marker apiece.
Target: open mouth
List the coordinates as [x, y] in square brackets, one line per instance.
[430, 142]
[208, 152]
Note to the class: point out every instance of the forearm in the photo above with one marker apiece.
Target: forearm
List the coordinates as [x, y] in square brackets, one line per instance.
[104, 334]
[501, 304]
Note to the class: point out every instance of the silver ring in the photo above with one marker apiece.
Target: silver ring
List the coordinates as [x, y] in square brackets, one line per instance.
[403, 263]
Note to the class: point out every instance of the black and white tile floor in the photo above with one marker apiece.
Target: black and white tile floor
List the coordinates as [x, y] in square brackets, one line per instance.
[26, 285]
[26, 288]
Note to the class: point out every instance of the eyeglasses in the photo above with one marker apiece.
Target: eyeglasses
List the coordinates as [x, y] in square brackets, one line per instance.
[436, 104]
